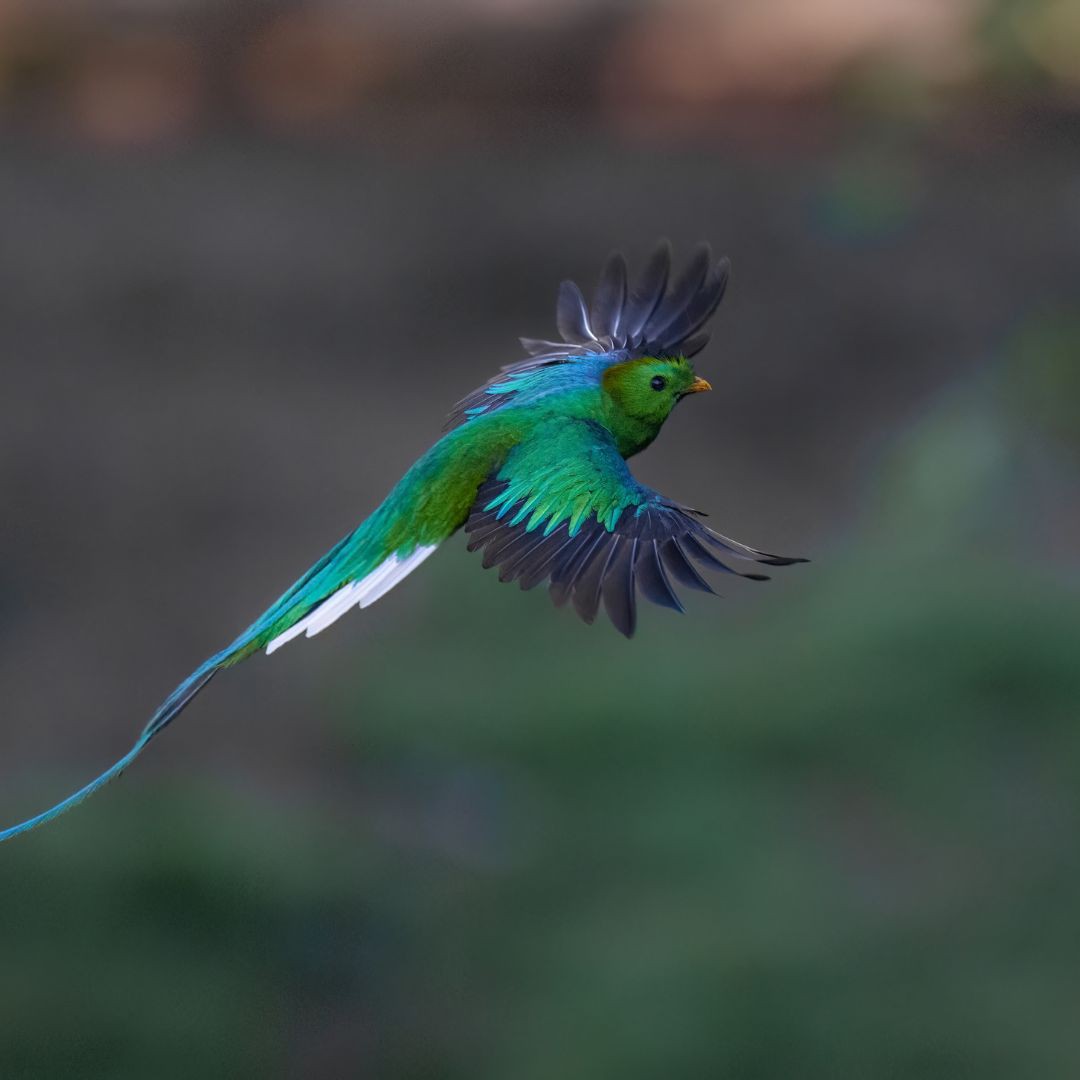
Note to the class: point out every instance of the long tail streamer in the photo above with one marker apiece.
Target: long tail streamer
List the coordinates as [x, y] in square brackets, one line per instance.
[168, 711]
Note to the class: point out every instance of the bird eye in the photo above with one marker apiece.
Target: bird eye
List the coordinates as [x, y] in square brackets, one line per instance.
[658, 382]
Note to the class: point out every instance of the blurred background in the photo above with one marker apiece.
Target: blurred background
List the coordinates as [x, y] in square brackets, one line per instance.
[251, 253]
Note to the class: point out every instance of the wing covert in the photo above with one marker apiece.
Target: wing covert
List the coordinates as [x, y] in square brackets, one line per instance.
[566, 509]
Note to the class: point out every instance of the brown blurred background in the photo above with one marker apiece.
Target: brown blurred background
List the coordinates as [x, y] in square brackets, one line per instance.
[250, 254]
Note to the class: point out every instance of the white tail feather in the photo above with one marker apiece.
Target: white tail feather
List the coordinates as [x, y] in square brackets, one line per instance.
[354, 594]
[401, 570]
[330, 609]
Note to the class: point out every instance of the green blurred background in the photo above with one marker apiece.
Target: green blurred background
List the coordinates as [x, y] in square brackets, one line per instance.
[250, 253]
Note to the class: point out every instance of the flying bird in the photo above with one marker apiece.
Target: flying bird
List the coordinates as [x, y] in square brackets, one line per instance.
[533, 467]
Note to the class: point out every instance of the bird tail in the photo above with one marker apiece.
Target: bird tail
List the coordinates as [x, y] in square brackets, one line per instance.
[358, 570]
[287, 609]
[169, 709]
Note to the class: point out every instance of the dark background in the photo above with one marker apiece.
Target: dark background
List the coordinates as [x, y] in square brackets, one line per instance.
[250, 254]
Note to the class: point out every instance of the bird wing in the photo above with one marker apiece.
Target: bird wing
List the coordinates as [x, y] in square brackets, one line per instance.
[650, 319]
[565, 508]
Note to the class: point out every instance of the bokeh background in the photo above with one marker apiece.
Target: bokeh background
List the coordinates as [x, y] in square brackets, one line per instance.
[250, 253]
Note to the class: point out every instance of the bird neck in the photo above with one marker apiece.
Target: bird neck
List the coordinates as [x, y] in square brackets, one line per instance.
[631, 434]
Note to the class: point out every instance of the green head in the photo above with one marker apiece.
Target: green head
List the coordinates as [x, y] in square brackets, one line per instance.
[640, 395]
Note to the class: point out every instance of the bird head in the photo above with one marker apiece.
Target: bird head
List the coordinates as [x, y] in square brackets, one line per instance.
[642, 392]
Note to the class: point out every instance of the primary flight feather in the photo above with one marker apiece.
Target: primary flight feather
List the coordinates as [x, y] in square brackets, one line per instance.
[534, 469]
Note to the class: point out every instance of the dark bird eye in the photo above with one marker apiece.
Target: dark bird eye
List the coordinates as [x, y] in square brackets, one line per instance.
[658, 382]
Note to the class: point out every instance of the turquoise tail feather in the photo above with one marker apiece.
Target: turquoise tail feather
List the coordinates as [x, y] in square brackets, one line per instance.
[392, 527]
[297, 600]
[169, 709]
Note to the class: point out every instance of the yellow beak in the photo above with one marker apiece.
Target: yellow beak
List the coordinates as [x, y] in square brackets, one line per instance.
[698, 385]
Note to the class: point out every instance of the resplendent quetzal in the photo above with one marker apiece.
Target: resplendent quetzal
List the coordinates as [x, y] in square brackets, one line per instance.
[535, 470]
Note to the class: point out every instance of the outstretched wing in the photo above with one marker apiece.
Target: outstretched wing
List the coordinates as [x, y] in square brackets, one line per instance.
[566, 509]
[621, 323]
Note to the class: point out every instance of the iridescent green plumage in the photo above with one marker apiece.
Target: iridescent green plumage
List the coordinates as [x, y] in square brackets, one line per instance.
[536, 474]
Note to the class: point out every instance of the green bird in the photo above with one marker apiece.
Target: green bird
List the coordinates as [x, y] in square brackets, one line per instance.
[534, 468]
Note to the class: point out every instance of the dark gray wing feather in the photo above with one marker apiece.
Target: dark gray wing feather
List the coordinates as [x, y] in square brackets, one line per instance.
[682, 295]
[572, 315]
[609, 298]
[648, 292]
[650, 551]
[649, 320]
